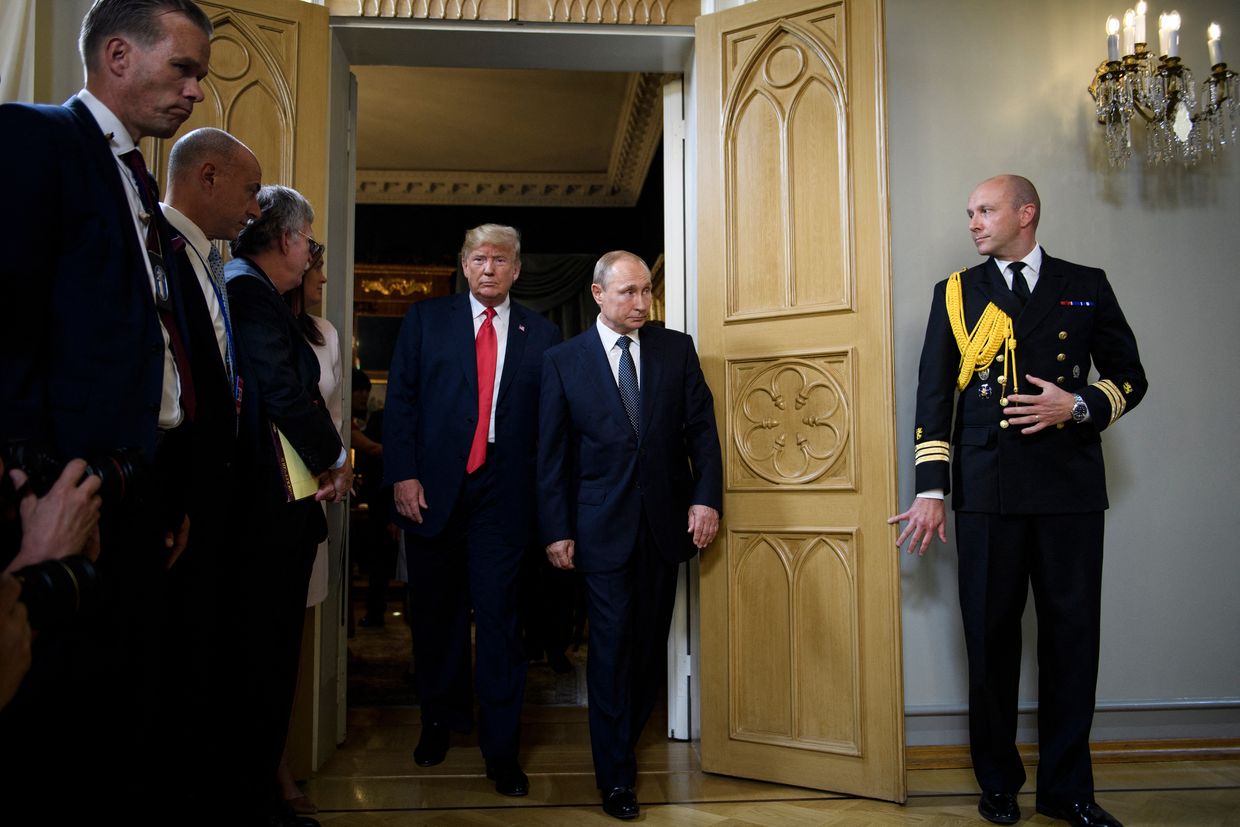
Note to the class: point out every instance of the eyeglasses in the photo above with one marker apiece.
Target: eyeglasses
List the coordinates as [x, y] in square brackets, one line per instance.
[316, 249]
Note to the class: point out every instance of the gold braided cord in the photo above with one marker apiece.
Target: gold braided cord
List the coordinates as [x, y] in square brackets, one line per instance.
[979, 346]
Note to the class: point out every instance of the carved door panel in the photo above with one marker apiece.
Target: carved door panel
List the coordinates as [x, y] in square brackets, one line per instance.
[801, 644]
[268, 87]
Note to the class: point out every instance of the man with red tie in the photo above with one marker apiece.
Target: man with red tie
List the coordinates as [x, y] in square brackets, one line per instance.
[459, 437]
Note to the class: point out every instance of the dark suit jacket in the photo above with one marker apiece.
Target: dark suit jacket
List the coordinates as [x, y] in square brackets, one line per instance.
[214, 439]
[281, 376]
[1072, 321]
[595, 475]
[432, 408]
[81, 351]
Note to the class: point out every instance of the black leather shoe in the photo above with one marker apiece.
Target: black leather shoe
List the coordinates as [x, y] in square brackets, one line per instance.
[1080, 814]
[620, 802]
[508, 777]
[559, 663]
[432, 747]
[999, 808]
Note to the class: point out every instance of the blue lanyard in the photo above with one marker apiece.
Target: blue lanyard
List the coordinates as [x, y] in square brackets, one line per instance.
[228, 333]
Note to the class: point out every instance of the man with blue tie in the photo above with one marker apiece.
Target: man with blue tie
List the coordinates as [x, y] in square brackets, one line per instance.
[458, 448]
[630, 486]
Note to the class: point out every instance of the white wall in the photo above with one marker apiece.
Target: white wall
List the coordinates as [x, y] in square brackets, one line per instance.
[978, 88]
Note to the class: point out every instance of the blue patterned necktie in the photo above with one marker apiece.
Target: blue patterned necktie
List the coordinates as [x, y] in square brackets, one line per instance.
[215, 263]
[628, 384]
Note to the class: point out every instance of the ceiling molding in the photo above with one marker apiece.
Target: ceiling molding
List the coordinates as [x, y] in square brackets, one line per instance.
[638, 132]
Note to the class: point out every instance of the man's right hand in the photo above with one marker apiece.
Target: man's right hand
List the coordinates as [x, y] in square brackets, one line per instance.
[560, 553]
[925, 519]
[62, 522]
[410, 499]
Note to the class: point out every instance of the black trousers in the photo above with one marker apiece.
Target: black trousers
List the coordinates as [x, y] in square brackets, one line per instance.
[474, 562]
[630, 612]
[1060, 555]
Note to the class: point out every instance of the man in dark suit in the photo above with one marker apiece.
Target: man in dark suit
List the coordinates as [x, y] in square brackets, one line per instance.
[628, 450]
[213, 183]
[92, 359]
[458, 449]
[1028, 486]
[277, 535]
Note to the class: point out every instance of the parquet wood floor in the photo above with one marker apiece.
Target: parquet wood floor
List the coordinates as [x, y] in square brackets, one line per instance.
[372, 781]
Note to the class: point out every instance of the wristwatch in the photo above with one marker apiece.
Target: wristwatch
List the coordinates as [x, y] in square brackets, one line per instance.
[1080, 411]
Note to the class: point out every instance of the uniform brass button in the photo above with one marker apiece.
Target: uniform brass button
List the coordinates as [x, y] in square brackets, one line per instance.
[1060, 357]
[1059, 426]
[1059, 380]
[1003, 401]
[1002, 380]
[1003, 424]
[1063, 334]
[999, 358]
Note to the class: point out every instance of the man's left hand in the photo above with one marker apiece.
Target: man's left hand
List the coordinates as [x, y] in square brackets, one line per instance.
[703, 524]
[1039, 411]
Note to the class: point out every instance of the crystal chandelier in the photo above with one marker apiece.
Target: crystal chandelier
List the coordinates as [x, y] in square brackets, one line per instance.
[1182, 126]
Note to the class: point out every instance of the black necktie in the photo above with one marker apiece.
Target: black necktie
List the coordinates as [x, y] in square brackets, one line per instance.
[1019, 286]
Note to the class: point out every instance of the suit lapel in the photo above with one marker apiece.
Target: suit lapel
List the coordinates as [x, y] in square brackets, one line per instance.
[596, 365]
[997, 291]
[1051, 283]
[461, 336]
[102, 157]
[652, 360]
[515, 348]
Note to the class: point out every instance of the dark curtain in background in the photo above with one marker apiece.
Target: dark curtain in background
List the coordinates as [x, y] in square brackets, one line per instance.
[557, 286]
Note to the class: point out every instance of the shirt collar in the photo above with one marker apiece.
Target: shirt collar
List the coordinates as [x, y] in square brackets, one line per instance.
[193, 235]
[609, 336]
[476, 307]
[1033, 261]
[119, 139]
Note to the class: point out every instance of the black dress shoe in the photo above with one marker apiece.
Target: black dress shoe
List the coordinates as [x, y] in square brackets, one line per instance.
[1080, 814]
[508, 777]
[559, 663]
[432, 747]
[620, 802]
[999, 808]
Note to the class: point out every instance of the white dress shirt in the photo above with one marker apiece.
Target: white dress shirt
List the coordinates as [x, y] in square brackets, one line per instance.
[199, 249]
[1033, 266]
[609, 338]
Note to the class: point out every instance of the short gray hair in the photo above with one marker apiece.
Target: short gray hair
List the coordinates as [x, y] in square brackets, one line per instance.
[285, 210]
[602, 269]
[196, 148]
[499, 235]
[137, 20]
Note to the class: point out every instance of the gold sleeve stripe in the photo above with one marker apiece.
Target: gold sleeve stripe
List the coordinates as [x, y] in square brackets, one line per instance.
[935, 450]
[1114, 397]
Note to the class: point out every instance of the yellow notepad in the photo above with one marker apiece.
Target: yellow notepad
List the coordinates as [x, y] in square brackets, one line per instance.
[299, 483]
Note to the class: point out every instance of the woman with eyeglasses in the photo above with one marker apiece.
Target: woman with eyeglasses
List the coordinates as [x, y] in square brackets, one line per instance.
[283, 414]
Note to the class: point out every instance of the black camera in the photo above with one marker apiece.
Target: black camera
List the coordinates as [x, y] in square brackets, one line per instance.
[118, 470]
[56, 591]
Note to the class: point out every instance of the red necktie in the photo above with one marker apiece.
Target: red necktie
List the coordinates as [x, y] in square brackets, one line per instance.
[487, 348]
[180, 354]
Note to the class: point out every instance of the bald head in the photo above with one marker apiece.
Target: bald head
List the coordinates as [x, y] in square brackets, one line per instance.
[1003, 217]
[213, 179]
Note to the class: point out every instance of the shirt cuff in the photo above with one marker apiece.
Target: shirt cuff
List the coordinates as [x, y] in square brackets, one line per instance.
[341, 460]
[931, 494]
